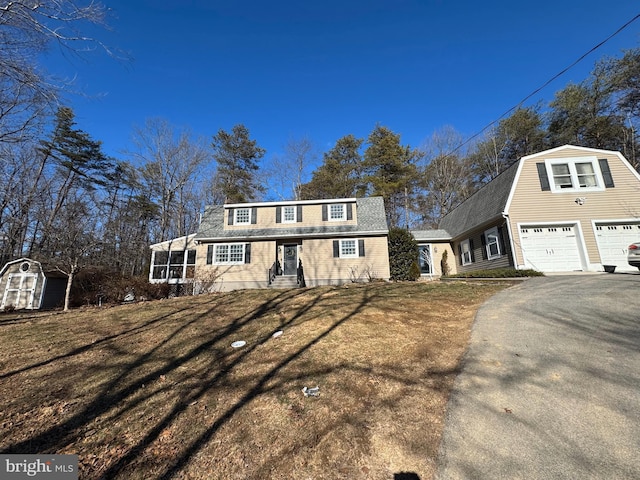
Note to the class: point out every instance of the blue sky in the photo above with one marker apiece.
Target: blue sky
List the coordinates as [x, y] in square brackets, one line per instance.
[327, 69]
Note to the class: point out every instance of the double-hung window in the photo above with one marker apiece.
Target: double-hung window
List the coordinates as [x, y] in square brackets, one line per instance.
[348, 248]
[288, 214]
[492, 243]
[337, 211]
[227, 254]
[242, 216]
[465, 252]
[574, 175]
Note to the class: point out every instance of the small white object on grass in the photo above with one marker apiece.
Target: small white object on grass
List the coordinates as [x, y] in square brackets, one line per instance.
[277, 334]
[238, 344]
[311, 392]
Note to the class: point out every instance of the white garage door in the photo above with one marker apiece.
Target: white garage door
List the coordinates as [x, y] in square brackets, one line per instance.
[613, 240]
[552, 248]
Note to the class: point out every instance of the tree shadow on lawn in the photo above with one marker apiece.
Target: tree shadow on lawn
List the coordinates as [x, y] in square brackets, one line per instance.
[197, 353]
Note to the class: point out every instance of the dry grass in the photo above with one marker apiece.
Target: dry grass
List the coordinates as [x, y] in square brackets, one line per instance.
[154, 390]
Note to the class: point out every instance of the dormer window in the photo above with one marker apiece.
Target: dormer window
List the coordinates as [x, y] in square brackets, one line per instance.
[337, 212]
[575, 174]
[242, 216]
[289, 214]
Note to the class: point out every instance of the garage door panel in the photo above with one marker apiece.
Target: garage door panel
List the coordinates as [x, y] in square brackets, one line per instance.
[613, 239]
[551, 248]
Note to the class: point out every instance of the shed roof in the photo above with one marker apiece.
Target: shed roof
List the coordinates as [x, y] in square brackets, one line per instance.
[370, 214]
[485, 205]
[431, 235]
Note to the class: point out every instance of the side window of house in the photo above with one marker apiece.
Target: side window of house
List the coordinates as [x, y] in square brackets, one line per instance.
[229, 254]
[492, 243]
[466, 252]
[348, 248]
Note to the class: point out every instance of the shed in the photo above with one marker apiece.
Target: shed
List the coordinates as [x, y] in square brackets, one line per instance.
[26, 284]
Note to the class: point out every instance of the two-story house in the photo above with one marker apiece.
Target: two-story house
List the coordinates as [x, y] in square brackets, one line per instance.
[255, 245]
[561, 210]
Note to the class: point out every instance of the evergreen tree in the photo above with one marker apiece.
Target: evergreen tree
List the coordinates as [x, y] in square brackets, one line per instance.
[403, 255]
[339, 174]
[237, 157]
[391, 172]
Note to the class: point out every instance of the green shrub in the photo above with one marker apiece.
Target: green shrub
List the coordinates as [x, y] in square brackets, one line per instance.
[403, 255]
[499, 273]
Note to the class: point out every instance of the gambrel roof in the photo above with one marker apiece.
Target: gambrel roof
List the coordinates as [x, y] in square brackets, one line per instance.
[370, 214]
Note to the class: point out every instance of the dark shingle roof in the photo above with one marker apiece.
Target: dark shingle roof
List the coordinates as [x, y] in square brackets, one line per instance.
[370, 215]
[483, 206]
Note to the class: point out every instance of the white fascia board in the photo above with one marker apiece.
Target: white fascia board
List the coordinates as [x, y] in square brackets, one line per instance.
[290, 202]
[186, 239]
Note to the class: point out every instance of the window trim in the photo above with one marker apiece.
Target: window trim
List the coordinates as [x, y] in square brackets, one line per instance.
[573, 173]
[356, 253]
[214, 254]
[236, 211]
[464, 254]
[344, 212]
[495, 233]
[295, 214]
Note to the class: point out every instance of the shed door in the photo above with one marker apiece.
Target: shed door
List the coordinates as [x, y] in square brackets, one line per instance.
[613, 240]
[550, 248]
[20, 290]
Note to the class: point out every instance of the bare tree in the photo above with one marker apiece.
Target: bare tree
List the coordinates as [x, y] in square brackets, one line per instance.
[289, 172]
[173, 172]
[445, 178]
[27, 28]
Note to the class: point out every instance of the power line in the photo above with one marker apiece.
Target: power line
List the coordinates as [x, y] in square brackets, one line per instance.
[537, 90]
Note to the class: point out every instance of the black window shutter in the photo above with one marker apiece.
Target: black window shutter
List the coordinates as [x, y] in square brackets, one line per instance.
[473, 255]
[542, 175]
[278, 214]
[254, 215]
[324, 212]
[460, 253]
[209, 254]
[483, 239]
[361, 248]
[503, 250]
[299, 213]
[247, 253]
[336, 248]
[606, 173]
[349, 211]
[230, 222]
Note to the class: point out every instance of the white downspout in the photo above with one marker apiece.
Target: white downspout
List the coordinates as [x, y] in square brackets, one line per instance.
[512, 245]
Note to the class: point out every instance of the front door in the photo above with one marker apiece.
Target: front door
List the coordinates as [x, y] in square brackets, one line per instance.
[290, 259]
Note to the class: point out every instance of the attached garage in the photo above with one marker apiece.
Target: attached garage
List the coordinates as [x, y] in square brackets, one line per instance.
[613, 239]
[551, 248]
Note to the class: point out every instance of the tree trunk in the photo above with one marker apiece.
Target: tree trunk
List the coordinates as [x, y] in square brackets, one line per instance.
[67, 293]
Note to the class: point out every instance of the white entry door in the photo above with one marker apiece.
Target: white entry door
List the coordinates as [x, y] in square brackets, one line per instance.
[551, 248]
[613, 240]
[20, 290]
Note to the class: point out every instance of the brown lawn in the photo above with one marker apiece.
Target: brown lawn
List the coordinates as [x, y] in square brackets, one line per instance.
[154, 390]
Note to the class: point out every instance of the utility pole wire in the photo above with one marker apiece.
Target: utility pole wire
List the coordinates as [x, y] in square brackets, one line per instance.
[545, 84]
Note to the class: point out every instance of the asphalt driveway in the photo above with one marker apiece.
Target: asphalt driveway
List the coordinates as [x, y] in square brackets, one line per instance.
[550, 385]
